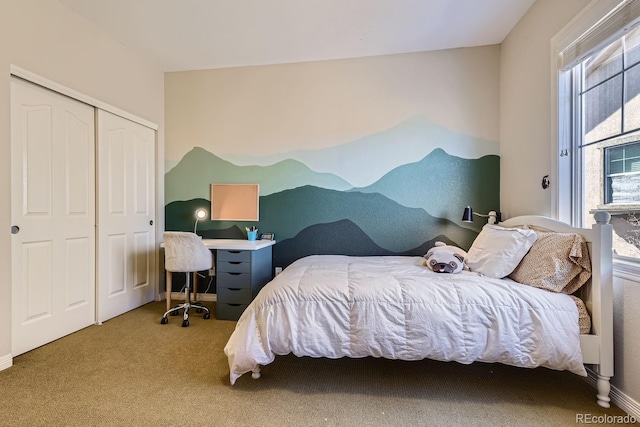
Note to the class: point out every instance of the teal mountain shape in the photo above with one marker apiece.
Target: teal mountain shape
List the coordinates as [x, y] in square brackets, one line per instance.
[443, 185]
[192, 176]
[363, 161]
[388, 224]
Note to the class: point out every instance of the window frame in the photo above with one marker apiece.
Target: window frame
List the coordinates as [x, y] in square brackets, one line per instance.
[567, 162]
[580, 89]
[608, 175]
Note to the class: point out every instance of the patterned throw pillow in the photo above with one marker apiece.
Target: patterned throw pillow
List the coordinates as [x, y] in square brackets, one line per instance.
[558, 262]
[584, 320]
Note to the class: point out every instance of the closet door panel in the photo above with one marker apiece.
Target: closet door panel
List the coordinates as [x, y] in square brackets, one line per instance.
[126, 229]
[53, 211]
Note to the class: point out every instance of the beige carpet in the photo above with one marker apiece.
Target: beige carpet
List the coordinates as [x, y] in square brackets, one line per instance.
[133, 371]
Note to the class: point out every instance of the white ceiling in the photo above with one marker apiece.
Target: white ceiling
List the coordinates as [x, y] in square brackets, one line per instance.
[199, 34]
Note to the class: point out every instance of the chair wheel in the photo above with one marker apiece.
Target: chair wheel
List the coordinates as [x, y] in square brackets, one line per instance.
[164, 320]
[185, 323]
[207, 316]
[199, 310]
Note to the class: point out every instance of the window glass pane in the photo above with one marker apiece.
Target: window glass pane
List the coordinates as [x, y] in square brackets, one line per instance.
[633, 165]
[610, 169]
[602, 110]
[615, 153]
[632, 99]
[616, 167]
[632, 47]
[631, 150]
[603, 65]
[593, 176]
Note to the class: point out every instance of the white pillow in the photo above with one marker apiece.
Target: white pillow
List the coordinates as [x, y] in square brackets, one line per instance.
[497, 251]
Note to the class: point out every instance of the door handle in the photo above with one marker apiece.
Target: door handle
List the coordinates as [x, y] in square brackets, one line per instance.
[151, 222]
[15, 229]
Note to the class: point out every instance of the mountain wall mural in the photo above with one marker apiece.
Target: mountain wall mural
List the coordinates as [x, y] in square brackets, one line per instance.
[409, 206]
[363, 161]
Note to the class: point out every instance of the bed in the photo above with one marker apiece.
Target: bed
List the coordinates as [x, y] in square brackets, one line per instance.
[394, 307]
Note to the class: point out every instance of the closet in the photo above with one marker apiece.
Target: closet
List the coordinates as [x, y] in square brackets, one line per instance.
[83, 209]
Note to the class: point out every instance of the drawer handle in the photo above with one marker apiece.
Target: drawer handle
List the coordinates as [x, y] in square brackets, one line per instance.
[235, 274]
[235, 262]
[234, 289]
[234, 305]
[234, 252]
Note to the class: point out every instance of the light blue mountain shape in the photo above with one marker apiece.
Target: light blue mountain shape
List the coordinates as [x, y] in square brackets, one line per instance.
[192, 176]
[365, 160]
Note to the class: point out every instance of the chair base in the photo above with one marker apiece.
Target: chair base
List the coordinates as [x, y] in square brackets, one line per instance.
[186, 307]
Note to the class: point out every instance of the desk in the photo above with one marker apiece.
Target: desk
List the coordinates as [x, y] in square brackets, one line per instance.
[243, 267]
[237, 244]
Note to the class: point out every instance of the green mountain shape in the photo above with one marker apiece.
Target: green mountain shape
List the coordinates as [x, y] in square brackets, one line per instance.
[364, 160]
[390, 225]
[339, 238]
[443, 185]
[180, 216]
[192, 176]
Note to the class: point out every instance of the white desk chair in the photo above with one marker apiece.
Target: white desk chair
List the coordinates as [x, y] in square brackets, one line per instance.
[185, 253]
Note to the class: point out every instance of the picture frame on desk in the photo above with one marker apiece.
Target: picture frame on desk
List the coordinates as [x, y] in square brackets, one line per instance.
[267, 236]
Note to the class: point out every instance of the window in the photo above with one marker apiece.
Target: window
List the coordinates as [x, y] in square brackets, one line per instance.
[622, 173]
[599, 126]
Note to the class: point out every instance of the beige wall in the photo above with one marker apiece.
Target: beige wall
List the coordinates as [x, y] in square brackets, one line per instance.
[46, 38]
[526, 156]
[525, 102]
[277, 108]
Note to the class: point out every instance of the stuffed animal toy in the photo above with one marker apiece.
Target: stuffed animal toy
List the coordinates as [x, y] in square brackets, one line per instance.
[443, 258]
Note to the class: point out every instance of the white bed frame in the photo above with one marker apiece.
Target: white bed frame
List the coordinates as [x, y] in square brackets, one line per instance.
[597, 347]
[597, 293]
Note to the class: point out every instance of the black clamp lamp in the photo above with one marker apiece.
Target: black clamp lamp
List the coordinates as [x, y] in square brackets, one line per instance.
[493, 216]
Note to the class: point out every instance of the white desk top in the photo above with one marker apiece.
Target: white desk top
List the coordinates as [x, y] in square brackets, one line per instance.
[235, 244]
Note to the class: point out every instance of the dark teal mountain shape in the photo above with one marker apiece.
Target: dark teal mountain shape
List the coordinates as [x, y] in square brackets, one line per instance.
[388, 224]
[192, 176]
[338, 238]
[443, 184]
[180, 216]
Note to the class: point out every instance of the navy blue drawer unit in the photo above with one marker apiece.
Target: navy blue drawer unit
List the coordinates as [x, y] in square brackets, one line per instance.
[240, 274]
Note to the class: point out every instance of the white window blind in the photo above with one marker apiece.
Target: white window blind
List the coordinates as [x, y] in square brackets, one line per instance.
[620, 20]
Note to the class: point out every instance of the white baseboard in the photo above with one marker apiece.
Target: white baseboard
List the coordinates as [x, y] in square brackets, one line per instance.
[625, 403]
[6, 362]
[618, 398]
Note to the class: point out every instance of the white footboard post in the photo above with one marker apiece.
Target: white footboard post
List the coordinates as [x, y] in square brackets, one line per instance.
[602, 297]
[255, 372]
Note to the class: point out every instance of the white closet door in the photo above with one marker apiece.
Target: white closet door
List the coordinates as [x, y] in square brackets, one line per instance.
[53, 215]
[126, 214]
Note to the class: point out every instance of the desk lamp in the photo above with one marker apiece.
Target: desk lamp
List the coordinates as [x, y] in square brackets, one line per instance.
[200, 214]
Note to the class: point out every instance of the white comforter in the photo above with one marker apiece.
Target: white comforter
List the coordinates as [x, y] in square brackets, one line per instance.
[394, 307]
